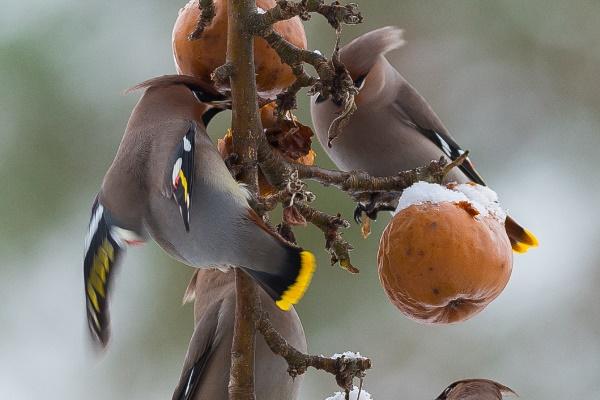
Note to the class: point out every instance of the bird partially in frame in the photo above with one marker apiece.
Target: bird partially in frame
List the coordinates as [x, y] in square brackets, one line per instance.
[205, 372]
[475, 389]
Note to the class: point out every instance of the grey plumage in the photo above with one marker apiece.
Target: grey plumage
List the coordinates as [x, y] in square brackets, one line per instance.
[205, 372]
[167, 168]
[381, 137]
[475, 389]
[394, 128]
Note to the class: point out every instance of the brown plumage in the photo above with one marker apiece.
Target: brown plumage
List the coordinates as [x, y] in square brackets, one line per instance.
[475, 389]
[205, 372]
[394, 128]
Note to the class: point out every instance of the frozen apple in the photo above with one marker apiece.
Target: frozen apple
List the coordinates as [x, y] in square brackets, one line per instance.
[445, 254]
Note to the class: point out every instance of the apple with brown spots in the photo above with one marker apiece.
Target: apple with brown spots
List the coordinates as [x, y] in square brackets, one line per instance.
[442, 262]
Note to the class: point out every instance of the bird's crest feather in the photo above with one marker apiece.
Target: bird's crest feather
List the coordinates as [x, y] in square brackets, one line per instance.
[362, 53]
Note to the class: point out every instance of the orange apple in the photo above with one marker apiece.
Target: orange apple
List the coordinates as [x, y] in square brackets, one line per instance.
[443, 262]
[200, 57]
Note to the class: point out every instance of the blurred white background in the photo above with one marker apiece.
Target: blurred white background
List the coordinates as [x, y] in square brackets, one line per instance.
[515, 82]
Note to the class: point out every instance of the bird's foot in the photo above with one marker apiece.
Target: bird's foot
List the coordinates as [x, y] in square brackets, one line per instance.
[370, 210]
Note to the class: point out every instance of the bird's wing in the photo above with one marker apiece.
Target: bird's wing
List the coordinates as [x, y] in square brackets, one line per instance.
[104, 245]
[415, 111]
[204, 340]
[181, 174]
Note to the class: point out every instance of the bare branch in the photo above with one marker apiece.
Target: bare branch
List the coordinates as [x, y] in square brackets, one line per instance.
[295, 198]
[335, 13]
[345, 369]
[334, 80]
[356, 183]
[334, 242]
[207, 13]
[247, 308]
[329, 224]
[246, 131]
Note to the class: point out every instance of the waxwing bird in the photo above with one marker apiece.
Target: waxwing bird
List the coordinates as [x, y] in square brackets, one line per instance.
[394, 128]
[169, 182]
[475, 389]
[206, 367]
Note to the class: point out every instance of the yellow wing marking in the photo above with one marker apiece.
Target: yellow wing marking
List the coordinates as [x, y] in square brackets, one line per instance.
[184, 183]
[92, 296]
[96, 283]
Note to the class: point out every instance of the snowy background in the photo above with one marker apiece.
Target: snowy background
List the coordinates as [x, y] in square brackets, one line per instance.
[515, 82]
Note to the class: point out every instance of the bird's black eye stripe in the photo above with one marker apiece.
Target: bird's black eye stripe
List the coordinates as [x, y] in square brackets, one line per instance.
[207, 97]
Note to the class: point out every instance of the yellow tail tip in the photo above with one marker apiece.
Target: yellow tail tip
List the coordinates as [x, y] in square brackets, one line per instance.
[520, 248]
[529, 241]
[296, 291]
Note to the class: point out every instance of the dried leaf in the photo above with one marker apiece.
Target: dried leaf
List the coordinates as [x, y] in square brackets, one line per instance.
[225, 144]
[308, 159]
[349, 267]
[288, 135]
[365, 227]
[292, 216]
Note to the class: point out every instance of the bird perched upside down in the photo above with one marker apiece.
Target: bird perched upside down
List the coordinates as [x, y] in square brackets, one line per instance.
[169, 182]
[394, 128]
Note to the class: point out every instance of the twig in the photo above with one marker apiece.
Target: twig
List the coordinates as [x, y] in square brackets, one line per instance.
[207, 13]
[334, 242]
[330, 225]
[335, 13]
[334, 80]
[345, 369]
[356, 183]
[220, 76]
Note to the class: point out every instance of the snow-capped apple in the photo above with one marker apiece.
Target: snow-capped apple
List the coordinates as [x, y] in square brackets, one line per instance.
[445, 254]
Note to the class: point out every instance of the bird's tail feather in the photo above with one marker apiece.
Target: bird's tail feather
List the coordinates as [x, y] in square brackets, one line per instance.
[360, 54]
[521, 239]
[290, 280]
